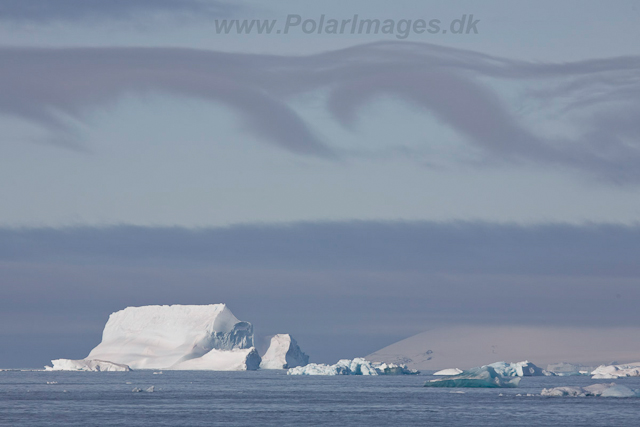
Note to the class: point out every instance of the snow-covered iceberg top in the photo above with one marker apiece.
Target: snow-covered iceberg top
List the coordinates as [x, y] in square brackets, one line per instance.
[283, 353]
[177, 337]
[616, 371]
[603, 390]
[482, 377]
[357, 366]
[86, 365]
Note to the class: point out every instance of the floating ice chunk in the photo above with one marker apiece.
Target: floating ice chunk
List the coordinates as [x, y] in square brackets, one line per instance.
[603, 390]
[485, 377]
[317, 369]
[384, 368]
[357, 366]
[283, 353]
[616, 371]
[447, 372]
[564, 369]
[145, 390]
[86, 365]
[562, 391]
[620, 391]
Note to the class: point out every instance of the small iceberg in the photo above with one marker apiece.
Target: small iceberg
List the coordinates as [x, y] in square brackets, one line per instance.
[357, 366]
[384, 368]
[482, 377]
[519, 369]
[601, 390]
[564, 369]
[283, 353]
[146, 390]
[616, 371]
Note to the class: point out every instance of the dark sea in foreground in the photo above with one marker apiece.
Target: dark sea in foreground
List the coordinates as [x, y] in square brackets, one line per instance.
[269, 398]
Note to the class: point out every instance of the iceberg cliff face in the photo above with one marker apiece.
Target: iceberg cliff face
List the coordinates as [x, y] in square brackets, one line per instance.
[246, 359]
[177, 337]
[283, 353]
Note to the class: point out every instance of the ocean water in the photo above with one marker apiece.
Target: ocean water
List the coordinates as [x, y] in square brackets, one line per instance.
[270, 398]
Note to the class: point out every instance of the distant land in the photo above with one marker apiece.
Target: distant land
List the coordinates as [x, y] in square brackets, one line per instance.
[468, 346]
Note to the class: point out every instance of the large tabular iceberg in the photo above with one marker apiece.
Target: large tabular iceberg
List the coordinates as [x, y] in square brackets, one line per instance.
[357, 366]
[603, 390]
[616, 371]
[283, 353]
[482, 377]
[177, 337]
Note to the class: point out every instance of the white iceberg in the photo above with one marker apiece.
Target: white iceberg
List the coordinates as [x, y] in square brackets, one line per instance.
[603, 390]
[393, 369]
[616, 371]
[519, 369]
[482, 377]
[283, 353]
[177, 337]
[86, 365]
[564, 369]
[357, 366]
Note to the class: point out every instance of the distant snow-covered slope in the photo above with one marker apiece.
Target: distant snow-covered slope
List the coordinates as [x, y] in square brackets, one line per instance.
[467, 346]
[163, 337]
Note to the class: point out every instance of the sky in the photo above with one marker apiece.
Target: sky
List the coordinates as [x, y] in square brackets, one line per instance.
[353, 188]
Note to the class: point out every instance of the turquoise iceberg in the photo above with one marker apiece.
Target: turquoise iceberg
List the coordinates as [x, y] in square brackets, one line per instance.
[482, 377]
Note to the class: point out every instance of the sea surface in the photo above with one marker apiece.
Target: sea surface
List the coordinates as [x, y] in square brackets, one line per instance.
[270, 398]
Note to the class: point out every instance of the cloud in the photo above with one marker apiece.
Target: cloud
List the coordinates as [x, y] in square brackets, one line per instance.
[342, 289]
[595, 102]
[438, 248]
[91, 11]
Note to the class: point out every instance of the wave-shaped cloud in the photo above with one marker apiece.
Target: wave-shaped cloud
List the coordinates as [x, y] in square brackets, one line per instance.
[597, 100]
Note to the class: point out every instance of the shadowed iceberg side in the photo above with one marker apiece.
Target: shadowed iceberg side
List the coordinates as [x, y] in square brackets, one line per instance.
[283, 353]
